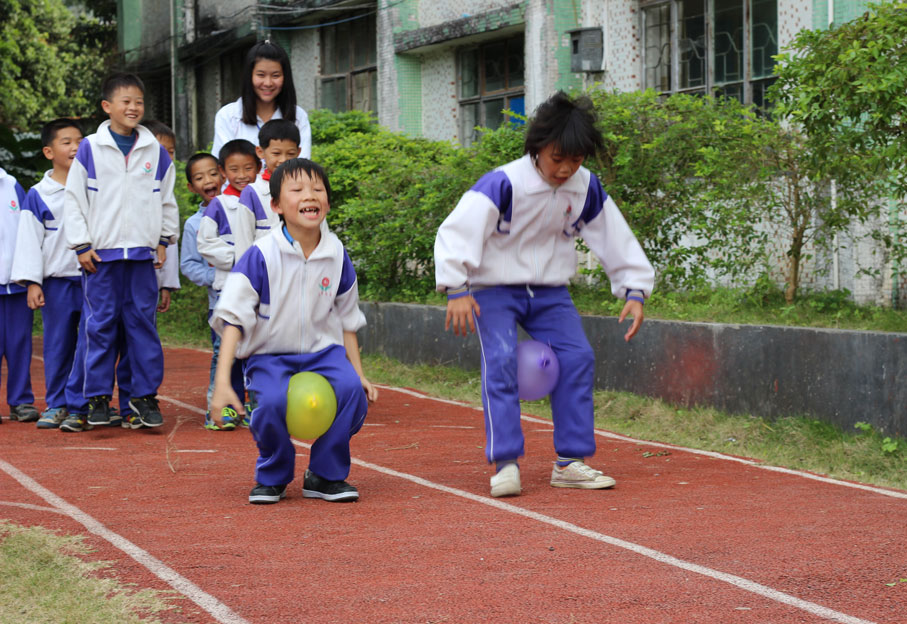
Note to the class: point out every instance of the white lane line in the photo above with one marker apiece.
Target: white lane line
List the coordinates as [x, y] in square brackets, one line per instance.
[31, 507]
[196, 450]
[452, 427]
[739, 582]
[218, 610]
[712, 454]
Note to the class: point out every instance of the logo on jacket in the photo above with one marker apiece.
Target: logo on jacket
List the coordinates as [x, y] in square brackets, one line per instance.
[325, 285]
[147, 167]
[14, 206]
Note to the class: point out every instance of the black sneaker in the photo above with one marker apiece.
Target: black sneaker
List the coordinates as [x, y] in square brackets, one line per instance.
[24, 413]
[335, 491]
[267, 494]
[146, 408]
[99, 410]
[74, 423]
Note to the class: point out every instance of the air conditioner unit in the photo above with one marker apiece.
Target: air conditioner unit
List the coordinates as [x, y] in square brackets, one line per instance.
[586, 50]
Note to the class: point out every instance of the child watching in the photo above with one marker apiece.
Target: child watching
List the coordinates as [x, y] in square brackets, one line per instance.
[504, 257]
[205, 180]
[278, 142]
[119, 209]
[226, 230]
[291, 304]
[49, 268]
[168, 275]
[15, 315]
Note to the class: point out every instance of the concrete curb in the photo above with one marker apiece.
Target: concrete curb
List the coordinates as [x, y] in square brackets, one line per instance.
[837, 376]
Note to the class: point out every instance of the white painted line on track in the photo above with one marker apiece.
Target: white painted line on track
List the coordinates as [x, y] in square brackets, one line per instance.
[218, 610]
[196, 450]
[737, 581]
[712, 454]
[31, 507]
[88, 448]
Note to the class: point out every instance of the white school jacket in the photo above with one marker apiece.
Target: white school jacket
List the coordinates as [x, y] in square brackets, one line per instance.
[41, 248]
[286, 303]
[12, 197]
[257, 198]
[226, 231]
[514, 228]
[121, 206]
[228, 125]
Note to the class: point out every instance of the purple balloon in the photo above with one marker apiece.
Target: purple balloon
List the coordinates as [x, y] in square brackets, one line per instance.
[537, 370]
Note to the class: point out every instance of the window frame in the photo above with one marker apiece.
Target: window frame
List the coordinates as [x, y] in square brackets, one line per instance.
[348, 74]
[749, 84]
[508, 93]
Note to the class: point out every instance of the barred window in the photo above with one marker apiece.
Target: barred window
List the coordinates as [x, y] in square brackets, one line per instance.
[490, 81]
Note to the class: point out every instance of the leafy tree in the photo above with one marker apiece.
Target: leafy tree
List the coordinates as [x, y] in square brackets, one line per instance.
[51, 62]
[847, 88]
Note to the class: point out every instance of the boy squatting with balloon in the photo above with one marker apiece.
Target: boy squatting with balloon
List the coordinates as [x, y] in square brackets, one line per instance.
[291, 304]
[504, 257]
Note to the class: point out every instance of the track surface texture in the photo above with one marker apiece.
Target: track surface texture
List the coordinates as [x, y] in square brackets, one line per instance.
[685, 536]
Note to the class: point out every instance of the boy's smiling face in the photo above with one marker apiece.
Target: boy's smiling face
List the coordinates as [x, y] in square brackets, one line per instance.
[277, 152]
[205, 179]
[303, 203]
[62, 150]
[126, 107]
[240, 170]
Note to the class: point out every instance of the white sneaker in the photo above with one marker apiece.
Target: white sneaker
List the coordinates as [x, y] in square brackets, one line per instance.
[506, 482]
[578, 475]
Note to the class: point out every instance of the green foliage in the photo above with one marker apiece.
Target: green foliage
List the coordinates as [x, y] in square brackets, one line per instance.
[682, 170]
[51, 62]
[847, 88]
[21, 156]
[328, 126]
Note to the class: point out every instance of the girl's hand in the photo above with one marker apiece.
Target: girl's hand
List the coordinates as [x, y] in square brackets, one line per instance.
[632, 308]
[459, 313]
[371, 392]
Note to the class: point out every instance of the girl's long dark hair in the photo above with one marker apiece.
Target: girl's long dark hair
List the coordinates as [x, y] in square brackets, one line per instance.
[286, 99]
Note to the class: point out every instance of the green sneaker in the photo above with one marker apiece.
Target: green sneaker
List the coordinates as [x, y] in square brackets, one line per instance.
[229, 417]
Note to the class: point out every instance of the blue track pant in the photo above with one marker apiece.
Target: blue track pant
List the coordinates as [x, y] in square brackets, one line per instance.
[548, 315]
[60, 315]
[268, 376]
[15, 345]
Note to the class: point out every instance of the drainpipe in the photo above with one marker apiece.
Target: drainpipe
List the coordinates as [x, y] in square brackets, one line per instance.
[836, 259]
[894, 227]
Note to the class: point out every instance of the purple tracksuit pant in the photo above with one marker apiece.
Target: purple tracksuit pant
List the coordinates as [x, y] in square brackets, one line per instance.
[548, 315]
[268, 375]
[15, 345]
[60, 316]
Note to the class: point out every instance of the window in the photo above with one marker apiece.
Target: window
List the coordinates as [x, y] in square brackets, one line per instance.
[490, 81]
[710, 46]
[349, 74]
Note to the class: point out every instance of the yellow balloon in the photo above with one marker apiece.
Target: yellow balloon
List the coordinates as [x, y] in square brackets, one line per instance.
[311, 405]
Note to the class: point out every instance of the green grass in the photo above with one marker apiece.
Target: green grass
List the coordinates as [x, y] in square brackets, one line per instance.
[49, 578]
[793, 442]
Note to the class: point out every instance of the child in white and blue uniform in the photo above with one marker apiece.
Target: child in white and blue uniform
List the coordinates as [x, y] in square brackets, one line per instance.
[291, 304]
[15, 315]
[120, 215]
[504, 257]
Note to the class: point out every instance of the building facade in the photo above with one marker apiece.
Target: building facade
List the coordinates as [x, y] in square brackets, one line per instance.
[439, 68]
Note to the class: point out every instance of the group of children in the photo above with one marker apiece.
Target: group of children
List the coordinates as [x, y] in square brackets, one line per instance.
[282, 290]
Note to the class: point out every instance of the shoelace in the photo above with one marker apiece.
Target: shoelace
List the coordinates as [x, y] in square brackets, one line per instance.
[588, 471]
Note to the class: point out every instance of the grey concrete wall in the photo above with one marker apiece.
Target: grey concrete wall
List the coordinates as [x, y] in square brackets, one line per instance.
[837, 376]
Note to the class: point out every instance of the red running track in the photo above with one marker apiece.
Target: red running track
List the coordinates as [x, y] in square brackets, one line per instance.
[685, 536]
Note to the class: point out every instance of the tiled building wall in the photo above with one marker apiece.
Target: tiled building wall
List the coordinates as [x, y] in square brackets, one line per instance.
[440, 106]
[305, 52]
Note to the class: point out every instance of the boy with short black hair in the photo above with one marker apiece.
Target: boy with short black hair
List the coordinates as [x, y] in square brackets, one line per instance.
[49, 268]
[120, 216]
[291, 304]
[15, 315]
[204, 178]
[226, 230]
[278, 142]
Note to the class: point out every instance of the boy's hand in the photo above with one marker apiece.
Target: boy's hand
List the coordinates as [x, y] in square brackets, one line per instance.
[371, 392]
[459, 314]
[634, 309]
[87, 260]
[35, 297]
[161, 256]
[164, 303]
[223, 396]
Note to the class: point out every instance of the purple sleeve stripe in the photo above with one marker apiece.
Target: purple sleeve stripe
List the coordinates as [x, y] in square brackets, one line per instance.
[20, 194]
[253, 266]
[86, 158]
[50, 229]
[595, 200]
[92, 188]
[35, 204]
[347, 274]
[496, 187]
[249, 198]
[216, 212]
[157, 190]
[163, 163]
[261, 227]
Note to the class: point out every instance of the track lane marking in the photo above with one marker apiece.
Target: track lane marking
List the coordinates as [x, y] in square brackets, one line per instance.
[208, 603]
[712, 454]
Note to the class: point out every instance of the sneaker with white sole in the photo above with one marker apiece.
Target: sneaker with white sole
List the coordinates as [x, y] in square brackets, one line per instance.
[267, 494]
[506, 482]
[580, 476]
[75, 423]
[52, 418]
[335, 491]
